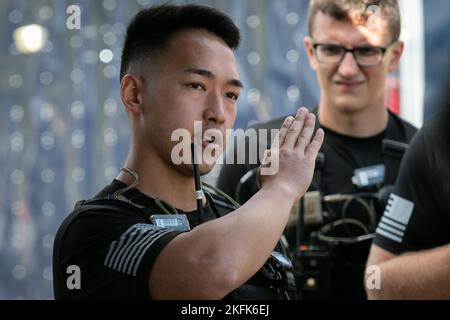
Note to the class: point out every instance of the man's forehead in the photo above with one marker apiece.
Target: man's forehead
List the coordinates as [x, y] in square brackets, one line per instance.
[350, 32]
[199, 37]
[203, 54]
[197, 43]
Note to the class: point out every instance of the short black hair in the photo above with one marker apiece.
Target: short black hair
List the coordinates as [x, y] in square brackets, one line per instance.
[151, 29]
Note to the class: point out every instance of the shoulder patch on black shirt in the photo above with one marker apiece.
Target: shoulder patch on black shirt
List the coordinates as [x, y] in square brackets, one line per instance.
[125, 254]
[396, 218]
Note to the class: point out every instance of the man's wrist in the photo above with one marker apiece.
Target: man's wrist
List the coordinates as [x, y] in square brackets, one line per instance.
[279, 193]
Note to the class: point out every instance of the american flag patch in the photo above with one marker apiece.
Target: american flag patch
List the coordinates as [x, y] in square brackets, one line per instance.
[126, 253]
[396, 218]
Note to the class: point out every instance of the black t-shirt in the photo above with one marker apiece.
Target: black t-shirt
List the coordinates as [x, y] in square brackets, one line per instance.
[350, 153]
[418, 214]
[114, 250]
[113, 245]
[341, 156]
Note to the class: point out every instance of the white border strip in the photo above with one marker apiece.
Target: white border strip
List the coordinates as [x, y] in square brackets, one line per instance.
[412, 64]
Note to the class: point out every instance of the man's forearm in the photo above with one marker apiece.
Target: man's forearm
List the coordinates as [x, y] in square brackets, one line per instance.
[218, 256]
[420, 275]
[247, 235]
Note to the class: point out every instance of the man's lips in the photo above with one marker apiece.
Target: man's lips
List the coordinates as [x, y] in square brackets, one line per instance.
[213, 137]
[211, 141]
[349, 84]
[208, 139]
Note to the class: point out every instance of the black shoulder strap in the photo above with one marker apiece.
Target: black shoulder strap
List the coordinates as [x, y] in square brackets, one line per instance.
[220, 201]
[396, 137]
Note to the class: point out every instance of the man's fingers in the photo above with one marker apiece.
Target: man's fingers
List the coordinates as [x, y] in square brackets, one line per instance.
[295, 129]
[306, 134]
[313, 149]
[266, 159]
[281, 135]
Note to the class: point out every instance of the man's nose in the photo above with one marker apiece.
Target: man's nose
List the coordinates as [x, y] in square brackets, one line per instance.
[348, 67]
[214, 111]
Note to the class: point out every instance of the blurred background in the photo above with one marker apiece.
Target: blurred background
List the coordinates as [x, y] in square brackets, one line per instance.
[64, 133]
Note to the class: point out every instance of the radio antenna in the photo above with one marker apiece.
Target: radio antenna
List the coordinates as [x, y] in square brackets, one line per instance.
[198, 186]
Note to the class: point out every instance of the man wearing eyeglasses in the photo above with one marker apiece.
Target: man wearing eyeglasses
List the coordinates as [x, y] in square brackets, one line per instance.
[352, 46]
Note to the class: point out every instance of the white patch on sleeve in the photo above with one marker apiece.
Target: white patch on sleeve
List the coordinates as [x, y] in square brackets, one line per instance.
[396, 218]
[126, 253]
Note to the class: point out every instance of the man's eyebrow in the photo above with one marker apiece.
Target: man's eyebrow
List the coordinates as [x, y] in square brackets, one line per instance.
[236, 83]
[201, 72]
[210, 75]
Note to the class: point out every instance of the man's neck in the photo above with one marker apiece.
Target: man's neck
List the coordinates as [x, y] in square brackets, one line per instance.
[158, 179]
[360, 124]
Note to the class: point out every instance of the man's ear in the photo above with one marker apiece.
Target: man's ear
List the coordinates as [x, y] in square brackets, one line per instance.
[131, 93]
[396, 54]
[307, 41]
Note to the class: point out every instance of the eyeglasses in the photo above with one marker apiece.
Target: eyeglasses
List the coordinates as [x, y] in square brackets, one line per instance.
[365, 56]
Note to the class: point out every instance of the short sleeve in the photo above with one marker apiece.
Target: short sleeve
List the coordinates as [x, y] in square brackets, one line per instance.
[413, 220]
[114, 252]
